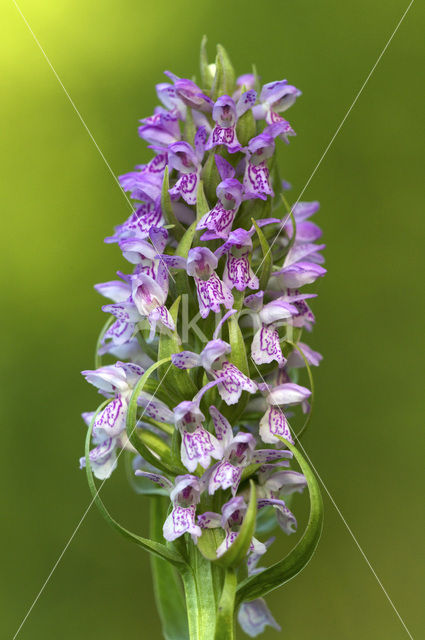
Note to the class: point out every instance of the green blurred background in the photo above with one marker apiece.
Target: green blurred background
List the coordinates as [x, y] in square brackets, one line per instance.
[58, 203]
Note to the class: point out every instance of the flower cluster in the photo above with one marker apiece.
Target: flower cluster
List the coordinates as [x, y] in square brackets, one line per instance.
[218, 267]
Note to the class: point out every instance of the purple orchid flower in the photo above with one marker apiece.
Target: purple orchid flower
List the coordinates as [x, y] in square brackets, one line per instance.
[237, 454]
[265, 346]
[190, 93]
[198, 445]
[161, 129]
[146, 255]
[295, 274]
[255, 616]
[272, 482]
[219, 220]
[306, 231]
[284, 516]
[275, 97]
[212, 292]
[225, 114]
[122, 330]
[256, 179]
[149, 297]
[274, 422]
[231, 518]
[295, 359]
[237, 271]
[144, 186]
[244, 82]
[103, 457]
[116, 382]
[171, 100]
[184, 494]
[231, 381]
[187, 161]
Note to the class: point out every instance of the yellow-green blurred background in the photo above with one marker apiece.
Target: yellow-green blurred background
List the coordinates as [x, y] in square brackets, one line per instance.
[59, 201]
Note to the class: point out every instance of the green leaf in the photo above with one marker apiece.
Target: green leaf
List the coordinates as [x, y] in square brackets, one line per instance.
[131, 420]
[161, 449]
[238, 355]
[202, 206]
[206, 74]
[209, 542]
[153, 547]
[185, 243]
[257, 82]
[189, 127]
[166, 581]
[225, 625]
[237, 551]
[167, 208]
[266, 263]
[278, 574]
[169, 343]
[246, 128]
[225, 78]
[210, 176]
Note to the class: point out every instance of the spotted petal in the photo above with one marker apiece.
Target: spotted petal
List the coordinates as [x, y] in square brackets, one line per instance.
[272, 424]
[266, 347]
[233, 383]
[103, 459]
[198, 447]
[211, 294]
[181, 520]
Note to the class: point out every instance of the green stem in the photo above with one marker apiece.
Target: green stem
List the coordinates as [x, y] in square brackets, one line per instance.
[201, 585]
[225, 625]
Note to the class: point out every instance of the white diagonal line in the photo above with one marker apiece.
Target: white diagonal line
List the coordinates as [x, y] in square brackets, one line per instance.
[341, 124]
[83, 123]
[344, 520]
[45, 583]
[347, 526]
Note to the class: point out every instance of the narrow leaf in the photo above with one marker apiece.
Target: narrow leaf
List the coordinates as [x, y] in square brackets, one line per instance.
[266, 263]
[131, 428]
[206, 75]
[167, 584]
[283, 571]
[225, 73]
[156, 548]
[176, 379]
[237, 551]
[246, 128]
[238, 355]
[211, 177]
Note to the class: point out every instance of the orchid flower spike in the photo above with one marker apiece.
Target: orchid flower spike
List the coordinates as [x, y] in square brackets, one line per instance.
[203, 366]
